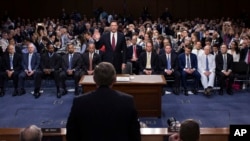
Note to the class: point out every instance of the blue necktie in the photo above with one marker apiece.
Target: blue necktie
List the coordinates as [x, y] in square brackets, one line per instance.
[168, 63]
[29, 61]
[207, 68]
[188, 63]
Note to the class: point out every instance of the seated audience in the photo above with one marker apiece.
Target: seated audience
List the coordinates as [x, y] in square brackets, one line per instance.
[11, 64]
[215, 49]
[30, 68]
[133, 53]
[90, 59]
[169, 67]
[206, 68]
[224, 62]
[148, 61]
[234, 51]
[188, 66]
[50, 66]
[71, 66]
[197, 50]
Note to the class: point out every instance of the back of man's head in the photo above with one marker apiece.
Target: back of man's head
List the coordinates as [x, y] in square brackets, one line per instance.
[104, 74]
[189, 130]
[31, 133]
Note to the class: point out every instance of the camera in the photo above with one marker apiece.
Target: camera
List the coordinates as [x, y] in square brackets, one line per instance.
[173, 125]
[40, 24]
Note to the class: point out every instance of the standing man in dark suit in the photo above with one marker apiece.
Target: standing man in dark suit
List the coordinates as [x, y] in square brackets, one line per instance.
[148, 61]
[133, 53]
[224, 63]
[30, 66]
[71, 66]
[115, 47]
[11, 67]
[169, 67]
[90, 59]
[50, 65]
[189, 67]
[112, 112]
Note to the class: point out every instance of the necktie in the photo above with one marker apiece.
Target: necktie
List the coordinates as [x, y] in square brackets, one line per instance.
[70, 61]
[168, 62]
[207, 68]
[134, 52]
[90, 62]
[188, 62]
[11, 62]
[113, 41]
[148, 65]
[224, 62]
[29, 61]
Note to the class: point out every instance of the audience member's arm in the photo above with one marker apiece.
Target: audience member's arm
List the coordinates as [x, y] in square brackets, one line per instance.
[174, 137]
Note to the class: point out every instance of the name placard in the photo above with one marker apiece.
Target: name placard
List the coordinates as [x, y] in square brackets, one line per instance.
[51, 130]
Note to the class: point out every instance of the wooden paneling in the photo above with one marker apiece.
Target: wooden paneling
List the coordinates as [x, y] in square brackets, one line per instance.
[178, 8]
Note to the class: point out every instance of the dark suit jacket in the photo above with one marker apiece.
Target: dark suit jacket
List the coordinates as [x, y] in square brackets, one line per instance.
[85, 61]
[143, 61]
[163, 62]
[219, 62]
[76, 62]
[116, 57]
[182, 61]
[53, 62]
[243, 53]
[35, 61]
[17, 59]
[130, 52]
[103, 115]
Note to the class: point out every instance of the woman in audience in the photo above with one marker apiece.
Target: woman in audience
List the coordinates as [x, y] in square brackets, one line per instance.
[235, 51]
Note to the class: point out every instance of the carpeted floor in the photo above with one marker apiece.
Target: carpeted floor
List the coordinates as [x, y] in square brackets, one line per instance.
[48, 111]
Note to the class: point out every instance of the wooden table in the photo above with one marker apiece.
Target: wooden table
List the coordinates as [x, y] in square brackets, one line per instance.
[146, 89]
[147, 134]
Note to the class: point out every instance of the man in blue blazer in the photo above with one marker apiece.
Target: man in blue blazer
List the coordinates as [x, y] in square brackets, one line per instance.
[30, 66]
[189, 67]
[103, 114]
[115, 47]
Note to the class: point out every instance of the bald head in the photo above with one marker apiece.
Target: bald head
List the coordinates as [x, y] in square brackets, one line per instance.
[31, 133]
[207, 49]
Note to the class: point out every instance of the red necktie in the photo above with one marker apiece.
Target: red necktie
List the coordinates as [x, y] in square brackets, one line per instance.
[134, 48]
[113, 41]
[90, 62]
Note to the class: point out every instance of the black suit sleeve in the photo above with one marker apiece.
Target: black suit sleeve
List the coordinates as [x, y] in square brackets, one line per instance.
[134, 131]
[73, 132]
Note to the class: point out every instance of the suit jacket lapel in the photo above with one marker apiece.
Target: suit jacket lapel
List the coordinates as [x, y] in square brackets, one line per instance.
[109, 40]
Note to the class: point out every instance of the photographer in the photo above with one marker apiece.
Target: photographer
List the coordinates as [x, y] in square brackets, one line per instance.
[189, 131]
